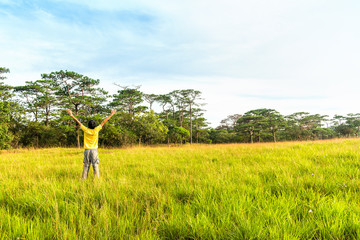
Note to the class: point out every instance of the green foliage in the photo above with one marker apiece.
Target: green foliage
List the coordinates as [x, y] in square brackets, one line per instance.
[128, 100]
[251, 122]
[5, 137]
[112, 135]
[303, 126]
[150, 129]
[38, 98]
[5, 111]
[4, 89]
[345, 130]
[40, 119]
[38, 116]
[178, 134]
[2, 71]
[223, 136]
[202, 135]
[229, 123]
[76, 92]
[150, 98]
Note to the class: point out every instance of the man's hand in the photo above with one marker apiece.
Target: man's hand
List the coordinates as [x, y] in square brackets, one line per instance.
[73, 117]
[69, 111]
[107, 119]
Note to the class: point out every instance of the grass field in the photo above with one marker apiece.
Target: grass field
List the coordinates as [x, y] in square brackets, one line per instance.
[261, 191]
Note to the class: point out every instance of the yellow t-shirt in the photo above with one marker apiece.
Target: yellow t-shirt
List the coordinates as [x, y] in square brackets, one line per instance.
[91, 137]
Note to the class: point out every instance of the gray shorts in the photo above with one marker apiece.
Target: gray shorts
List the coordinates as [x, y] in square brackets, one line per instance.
[91, 156]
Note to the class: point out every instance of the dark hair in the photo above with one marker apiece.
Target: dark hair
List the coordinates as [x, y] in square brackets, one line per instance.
[92, 124]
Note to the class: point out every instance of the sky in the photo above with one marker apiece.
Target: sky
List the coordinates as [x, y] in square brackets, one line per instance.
[286, 55]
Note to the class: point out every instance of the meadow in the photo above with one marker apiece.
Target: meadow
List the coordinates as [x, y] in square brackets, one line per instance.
[292, 190]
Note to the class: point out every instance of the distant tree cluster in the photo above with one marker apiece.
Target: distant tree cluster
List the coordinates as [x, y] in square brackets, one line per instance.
[268, 125]
[33, 115]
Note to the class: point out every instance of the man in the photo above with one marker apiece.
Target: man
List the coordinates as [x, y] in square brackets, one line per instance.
[91, 138]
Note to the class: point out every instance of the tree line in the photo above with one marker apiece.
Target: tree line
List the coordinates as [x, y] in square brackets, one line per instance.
[268, 125]
[33, 115]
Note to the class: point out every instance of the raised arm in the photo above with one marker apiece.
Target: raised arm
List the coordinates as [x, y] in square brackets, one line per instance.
[71, 115]
[107, 119]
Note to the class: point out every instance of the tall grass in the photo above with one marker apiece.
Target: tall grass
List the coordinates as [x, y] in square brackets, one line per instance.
[240, 191]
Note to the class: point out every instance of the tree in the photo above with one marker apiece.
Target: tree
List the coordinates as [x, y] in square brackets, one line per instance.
[180, 103]
[274, 121]
[302, 125]
[184, 99]
[190, 97]
[344, 130]
[4, 89]
[39, 98]
[178, 134]
[5, 110]
[166, 103]
[222, 136]
[128, 100]
[229, 122]
[5, 136]
[47, 97]
[2, 71]
[353, 120]
[151, 98]
[94, 100]
[149, 128]
[338, 119]
[251, 122]
[73, 89]
[200, 123]
[30, 97]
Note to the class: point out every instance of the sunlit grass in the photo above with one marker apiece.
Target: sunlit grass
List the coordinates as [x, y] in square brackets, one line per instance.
[298, 190]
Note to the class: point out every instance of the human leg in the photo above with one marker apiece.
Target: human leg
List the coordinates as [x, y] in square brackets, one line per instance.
[96, 170]
[86, 162]
[95, 162]
[85, 170]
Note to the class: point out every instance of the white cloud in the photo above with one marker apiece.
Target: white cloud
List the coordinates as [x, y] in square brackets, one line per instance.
[288, 55]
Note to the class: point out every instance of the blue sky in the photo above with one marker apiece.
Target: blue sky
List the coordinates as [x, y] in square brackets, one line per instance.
[287, 55]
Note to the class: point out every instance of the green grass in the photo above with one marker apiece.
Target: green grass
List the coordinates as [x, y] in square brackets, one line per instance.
[294, 190]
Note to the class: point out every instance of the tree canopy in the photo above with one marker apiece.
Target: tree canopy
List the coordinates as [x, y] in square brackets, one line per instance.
[33, 115]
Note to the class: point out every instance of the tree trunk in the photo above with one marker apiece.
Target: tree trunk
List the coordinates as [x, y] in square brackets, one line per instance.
[190, 124]
[197, 136]
[274, 136]
[47, 116]
[78, 136]
[181, 118]
[77, 127]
